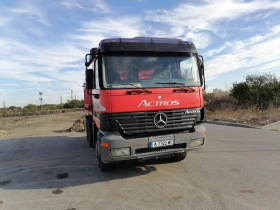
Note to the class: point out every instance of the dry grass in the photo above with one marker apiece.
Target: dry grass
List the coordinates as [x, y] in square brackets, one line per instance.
[249, 116]
[226, 108]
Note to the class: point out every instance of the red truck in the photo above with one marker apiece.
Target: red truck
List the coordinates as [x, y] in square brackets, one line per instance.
[144, 99]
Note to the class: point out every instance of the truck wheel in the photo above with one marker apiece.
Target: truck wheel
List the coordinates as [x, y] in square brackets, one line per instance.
[89, 131]
[94, 135]
[86, 127]
[102, 166]
[179, 156]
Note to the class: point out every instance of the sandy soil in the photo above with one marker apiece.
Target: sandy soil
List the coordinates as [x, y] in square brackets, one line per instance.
[44, 125]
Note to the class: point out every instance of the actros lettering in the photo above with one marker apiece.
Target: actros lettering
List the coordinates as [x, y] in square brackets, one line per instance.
[146, 103]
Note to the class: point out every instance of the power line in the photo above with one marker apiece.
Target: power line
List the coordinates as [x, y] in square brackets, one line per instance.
[41, 98]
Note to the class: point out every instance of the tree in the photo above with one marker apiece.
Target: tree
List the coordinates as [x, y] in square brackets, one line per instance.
[30, 107]
[241, 92]
[14, 108]
[257, 90]
[208, 96]
[74, 104]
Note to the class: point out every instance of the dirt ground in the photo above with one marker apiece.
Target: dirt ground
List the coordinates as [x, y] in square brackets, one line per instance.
[62, 124]
[72, 123]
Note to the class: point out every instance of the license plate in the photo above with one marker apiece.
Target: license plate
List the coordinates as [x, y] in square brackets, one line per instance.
[161, 141]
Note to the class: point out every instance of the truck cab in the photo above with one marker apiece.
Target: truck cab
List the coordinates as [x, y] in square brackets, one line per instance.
[144, 99]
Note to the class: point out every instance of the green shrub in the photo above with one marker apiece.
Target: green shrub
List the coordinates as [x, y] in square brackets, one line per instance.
[259, 91]
[74, 104]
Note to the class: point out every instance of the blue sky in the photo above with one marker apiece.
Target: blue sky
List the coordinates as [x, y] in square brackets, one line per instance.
[43, 43]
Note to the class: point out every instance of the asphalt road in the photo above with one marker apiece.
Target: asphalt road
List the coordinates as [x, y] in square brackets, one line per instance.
[238, 169]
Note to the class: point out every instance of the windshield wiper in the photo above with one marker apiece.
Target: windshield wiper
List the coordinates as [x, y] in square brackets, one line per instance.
[129, 92]
[176, 83]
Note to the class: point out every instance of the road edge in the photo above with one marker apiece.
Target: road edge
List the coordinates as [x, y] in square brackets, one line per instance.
[232, 124]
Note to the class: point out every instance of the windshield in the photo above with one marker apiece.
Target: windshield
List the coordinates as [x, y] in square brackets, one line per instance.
[150, 71]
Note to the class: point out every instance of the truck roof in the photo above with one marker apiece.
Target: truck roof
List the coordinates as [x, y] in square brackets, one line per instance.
[146, 44]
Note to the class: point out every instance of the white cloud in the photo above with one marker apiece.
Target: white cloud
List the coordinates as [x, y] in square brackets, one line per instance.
[126, 26]
[27, 63]
[216, 51]
[204, 16]
[258, 53]
[60, 65]
[100, 5]
[97, 6]
[90, 33]
[200, 39]
[269, 66]
[36, 32]
[261, 16]
[9, 85]
[195, 21]
[3, 92]
[222, 64]
[28, 12]
[56, 66]
[71, 4]
[4, 21]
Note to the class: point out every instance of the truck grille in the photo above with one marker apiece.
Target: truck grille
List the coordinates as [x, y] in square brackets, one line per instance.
[144, 122]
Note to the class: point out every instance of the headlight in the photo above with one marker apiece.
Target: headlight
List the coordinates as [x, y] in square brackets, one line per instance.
[120, 152]
[196, 142]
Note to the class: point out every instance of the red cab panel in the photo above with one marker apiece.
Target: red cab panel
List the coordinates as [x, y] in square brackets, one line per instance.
[159, 99]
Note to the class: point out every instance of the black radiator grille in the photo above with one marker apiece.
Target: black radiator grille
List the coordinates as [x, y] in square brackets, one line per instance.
[143, 122]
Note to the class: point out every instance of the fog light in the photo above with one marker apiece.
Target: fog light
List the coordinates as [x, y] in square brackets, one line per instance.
[196, 142]
[120, 152]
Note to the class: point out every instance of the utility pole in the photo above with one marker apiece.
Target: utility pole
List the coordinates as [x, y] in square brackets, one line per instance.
[71, 95]
[61, 99]
[75, 97]
[4, 105]
[41, 98]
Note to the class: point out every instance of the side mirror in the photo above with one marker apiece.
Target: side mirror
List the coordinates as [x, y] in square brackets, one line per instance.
[202, 75]
[89, 79]
[201, 63]
[92, 54]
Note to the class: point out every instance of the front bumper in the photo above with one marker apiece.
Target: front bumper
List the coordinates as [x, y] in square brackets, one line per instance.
[139, 147]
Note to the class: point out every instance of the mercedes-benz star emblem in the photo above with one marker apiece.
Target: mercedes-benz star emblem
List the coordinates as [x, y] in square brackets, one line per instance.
[159, 97]
[160, 120]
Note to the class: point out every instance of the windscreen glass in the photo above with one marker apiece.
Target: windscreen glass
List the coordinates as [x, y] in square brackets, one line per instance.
[150, 71]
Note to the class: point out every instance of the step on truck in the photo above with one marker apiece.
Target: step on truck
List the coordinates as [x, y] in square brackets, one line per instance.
[144, 99]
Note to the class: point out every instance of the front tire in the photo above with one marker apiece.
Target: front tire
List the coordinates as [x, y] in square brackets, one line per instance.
[102, 166]
[94, 135]
[89, 131]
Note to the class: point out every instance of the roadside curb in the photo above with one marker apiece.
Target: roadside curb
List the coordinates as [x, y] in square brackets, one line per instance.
[231, 124]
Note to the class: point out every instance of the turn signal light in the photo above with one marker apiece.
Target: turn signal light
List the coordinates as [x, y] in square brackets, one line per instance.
[104, 144]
